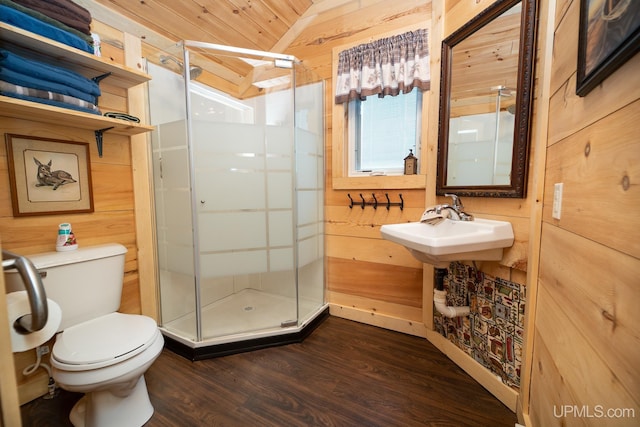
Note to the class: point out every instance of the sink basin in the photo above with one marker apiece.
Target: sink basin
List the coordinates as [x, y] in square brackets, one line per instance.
[449, 240]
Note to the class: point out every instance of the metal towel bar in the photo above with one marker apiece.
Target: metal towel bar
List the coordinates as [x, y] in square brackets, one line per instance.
[35, 291]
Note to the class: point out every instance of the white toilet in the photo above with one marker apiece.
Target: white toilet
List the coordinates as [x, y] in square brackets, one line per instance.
[99, 351]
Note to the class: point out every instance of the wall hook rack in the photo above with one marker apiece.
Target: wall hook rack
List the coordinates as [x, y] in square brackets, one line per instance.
[364, 203]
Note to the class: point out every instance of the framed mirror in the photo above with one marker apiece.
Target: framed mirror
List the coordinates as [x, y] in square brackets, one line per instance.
[486, 101]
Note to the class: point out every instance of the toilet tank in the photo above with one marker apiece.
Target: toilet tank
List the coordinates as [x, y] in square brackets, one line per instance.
[86, 283]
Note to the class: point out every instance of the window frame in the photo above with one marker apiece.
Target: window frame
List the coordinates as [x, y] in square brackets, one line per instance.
[340, 147]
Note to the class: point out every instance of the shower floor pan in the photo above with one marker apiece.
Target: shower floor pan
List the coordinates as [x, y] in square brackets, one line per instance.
[248, 320]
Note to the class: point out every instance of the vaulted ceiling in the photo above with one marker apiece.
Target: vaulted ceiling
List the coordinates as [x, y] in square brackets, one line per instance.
[264, 25]
[252, 24]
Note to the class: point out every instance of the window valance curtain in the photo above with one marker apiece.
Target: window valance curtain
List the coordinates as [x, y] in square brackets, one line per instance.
[384, 67]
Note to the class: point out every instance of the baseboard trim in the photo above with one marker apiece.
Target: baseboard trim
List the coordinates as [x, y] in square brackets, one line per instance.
[378, 319]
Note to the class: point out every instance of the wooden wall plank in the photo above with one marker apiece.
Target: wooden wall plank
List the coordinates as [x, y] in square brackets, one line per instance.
[563, 66]
[394, 284]
[371, 250]
[376, 307]
[602, 308]
[548, 388]
[617, 91]
[459, 12]
[588, 378]
[356, 222]
[146, 299]
[598, 163]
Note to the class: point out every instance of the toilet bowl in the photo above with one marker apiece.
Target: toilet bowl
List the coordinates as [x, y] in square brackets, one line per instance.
[114, 352]
[98, 351]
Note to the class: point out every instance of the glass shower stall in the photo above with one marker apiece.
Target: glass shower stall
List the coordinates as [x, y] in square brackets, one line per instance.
[238, 166]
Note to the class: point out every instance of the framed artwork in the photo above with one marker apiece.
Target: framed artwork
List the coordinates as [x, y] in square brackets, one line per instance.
[609, 35]
[48, 176]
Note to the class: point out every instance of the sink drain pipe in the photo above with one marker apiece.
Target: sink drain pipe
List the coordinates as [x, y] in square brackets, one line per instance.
[440, 297]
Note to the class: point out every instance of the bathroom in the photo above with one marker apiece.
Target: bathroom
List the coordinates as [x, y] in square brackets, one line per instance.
[577, 301]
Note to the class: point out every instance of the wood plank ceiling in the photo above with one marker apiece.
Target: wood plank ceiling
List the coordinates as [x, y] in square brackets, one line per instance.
[265, 25]
[251, 24]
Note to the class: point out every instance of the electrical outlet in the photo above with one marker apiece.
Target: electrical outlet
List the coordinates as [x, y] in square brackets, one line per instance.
[557, 200]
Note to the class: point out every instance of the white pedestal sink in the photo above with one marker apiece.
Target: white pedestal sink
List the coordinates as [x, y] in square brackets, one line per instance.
[450, 240]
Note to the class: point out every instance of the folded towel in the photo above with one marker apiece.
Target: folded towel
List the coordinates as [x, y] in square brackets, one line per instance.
[26, 22]
[20, 79]
[46, 72]
[48, 20]
[49, 102]
[432, 217]
[122, 116]
[65, 11]
[9, 88]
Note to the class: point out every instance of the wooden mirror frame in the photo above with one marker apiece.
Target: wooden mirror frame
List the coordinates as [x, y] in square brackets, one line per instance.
[524, 102]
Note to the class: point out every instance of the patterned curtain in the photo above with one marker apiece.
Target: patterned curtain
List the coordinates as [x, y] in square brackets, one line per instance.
[384, 67]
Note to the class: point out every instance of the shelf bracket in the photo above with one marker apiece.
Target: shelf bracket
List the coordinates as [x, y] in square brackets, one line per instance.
[99, 78]
[98, 134]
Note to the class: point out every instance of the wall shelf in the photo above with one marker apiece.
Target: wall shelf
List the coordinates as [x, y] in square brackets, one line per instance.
[33, 46]
[27, 110]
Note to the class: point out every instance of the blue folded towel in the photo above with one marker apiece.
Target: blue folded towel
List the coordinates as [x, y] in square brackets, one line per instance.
[33, 82]
[26, 22]
[49, 102]
[47, 72]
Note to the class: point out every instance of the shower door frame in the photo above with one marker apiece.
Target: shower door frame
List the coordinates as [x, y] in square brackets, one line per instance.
[186, 44]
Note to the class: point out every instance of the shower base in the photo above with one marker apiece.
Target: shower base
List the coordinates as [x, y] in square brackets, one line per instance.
[248, 320]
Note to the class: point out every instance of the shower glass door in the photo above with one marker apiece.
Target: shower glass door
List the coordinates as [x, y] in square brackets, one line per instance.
[240, 225]
[243, 157]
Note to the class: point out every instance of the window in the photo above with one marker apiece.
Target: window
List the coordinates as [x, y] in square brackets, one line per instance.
[377, 144]
[372, 135]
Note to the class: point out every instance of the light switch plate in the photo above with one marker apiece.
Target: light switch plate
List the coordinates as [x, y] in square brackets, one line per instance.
[557, 200]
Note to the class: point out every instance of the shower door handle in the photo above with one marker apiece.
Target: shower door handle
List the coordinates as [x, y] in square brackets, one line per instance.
[35, 291]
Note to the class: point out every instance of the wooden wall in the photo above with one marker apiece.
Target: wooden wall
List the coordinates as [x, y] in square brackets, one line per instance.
[112, 221]
[586, 350]
[368, 279]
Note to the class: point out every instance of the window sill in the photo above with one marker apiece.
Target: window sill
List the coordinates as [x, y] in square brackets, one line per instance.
[391, 182]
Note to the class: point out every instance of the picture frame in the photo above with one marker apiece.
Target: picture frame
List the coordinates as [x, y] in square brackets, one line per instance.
[48, 176]
[609, 35]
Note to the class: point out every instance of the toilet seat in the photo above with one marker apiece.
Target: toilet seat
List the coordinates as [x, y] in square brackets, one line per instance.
[103, 341]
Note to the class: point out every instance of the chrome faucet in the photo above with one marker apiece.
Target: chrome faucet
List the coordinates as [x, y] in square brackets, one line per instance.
[457, 208]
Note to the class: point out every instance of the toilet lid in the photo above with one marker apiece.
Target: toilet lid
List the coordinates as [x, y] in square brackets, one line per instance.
[105, 338]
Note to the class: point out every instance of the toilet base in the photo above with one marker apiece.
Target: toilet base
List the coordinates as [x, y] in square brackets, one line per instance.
[105, 409]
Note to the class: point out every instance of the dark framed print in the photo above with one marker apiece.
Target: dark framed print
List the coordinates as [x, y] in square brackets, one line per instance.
[48, 176]
[609, 35]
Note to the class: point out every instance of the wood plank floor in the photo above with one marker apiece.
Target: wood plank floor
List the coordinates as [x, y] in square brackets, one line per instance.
[344, 374]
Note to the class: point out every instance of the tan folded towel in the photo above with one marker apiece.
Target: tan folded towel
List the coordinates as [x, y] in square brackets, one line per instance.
[434, 218]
